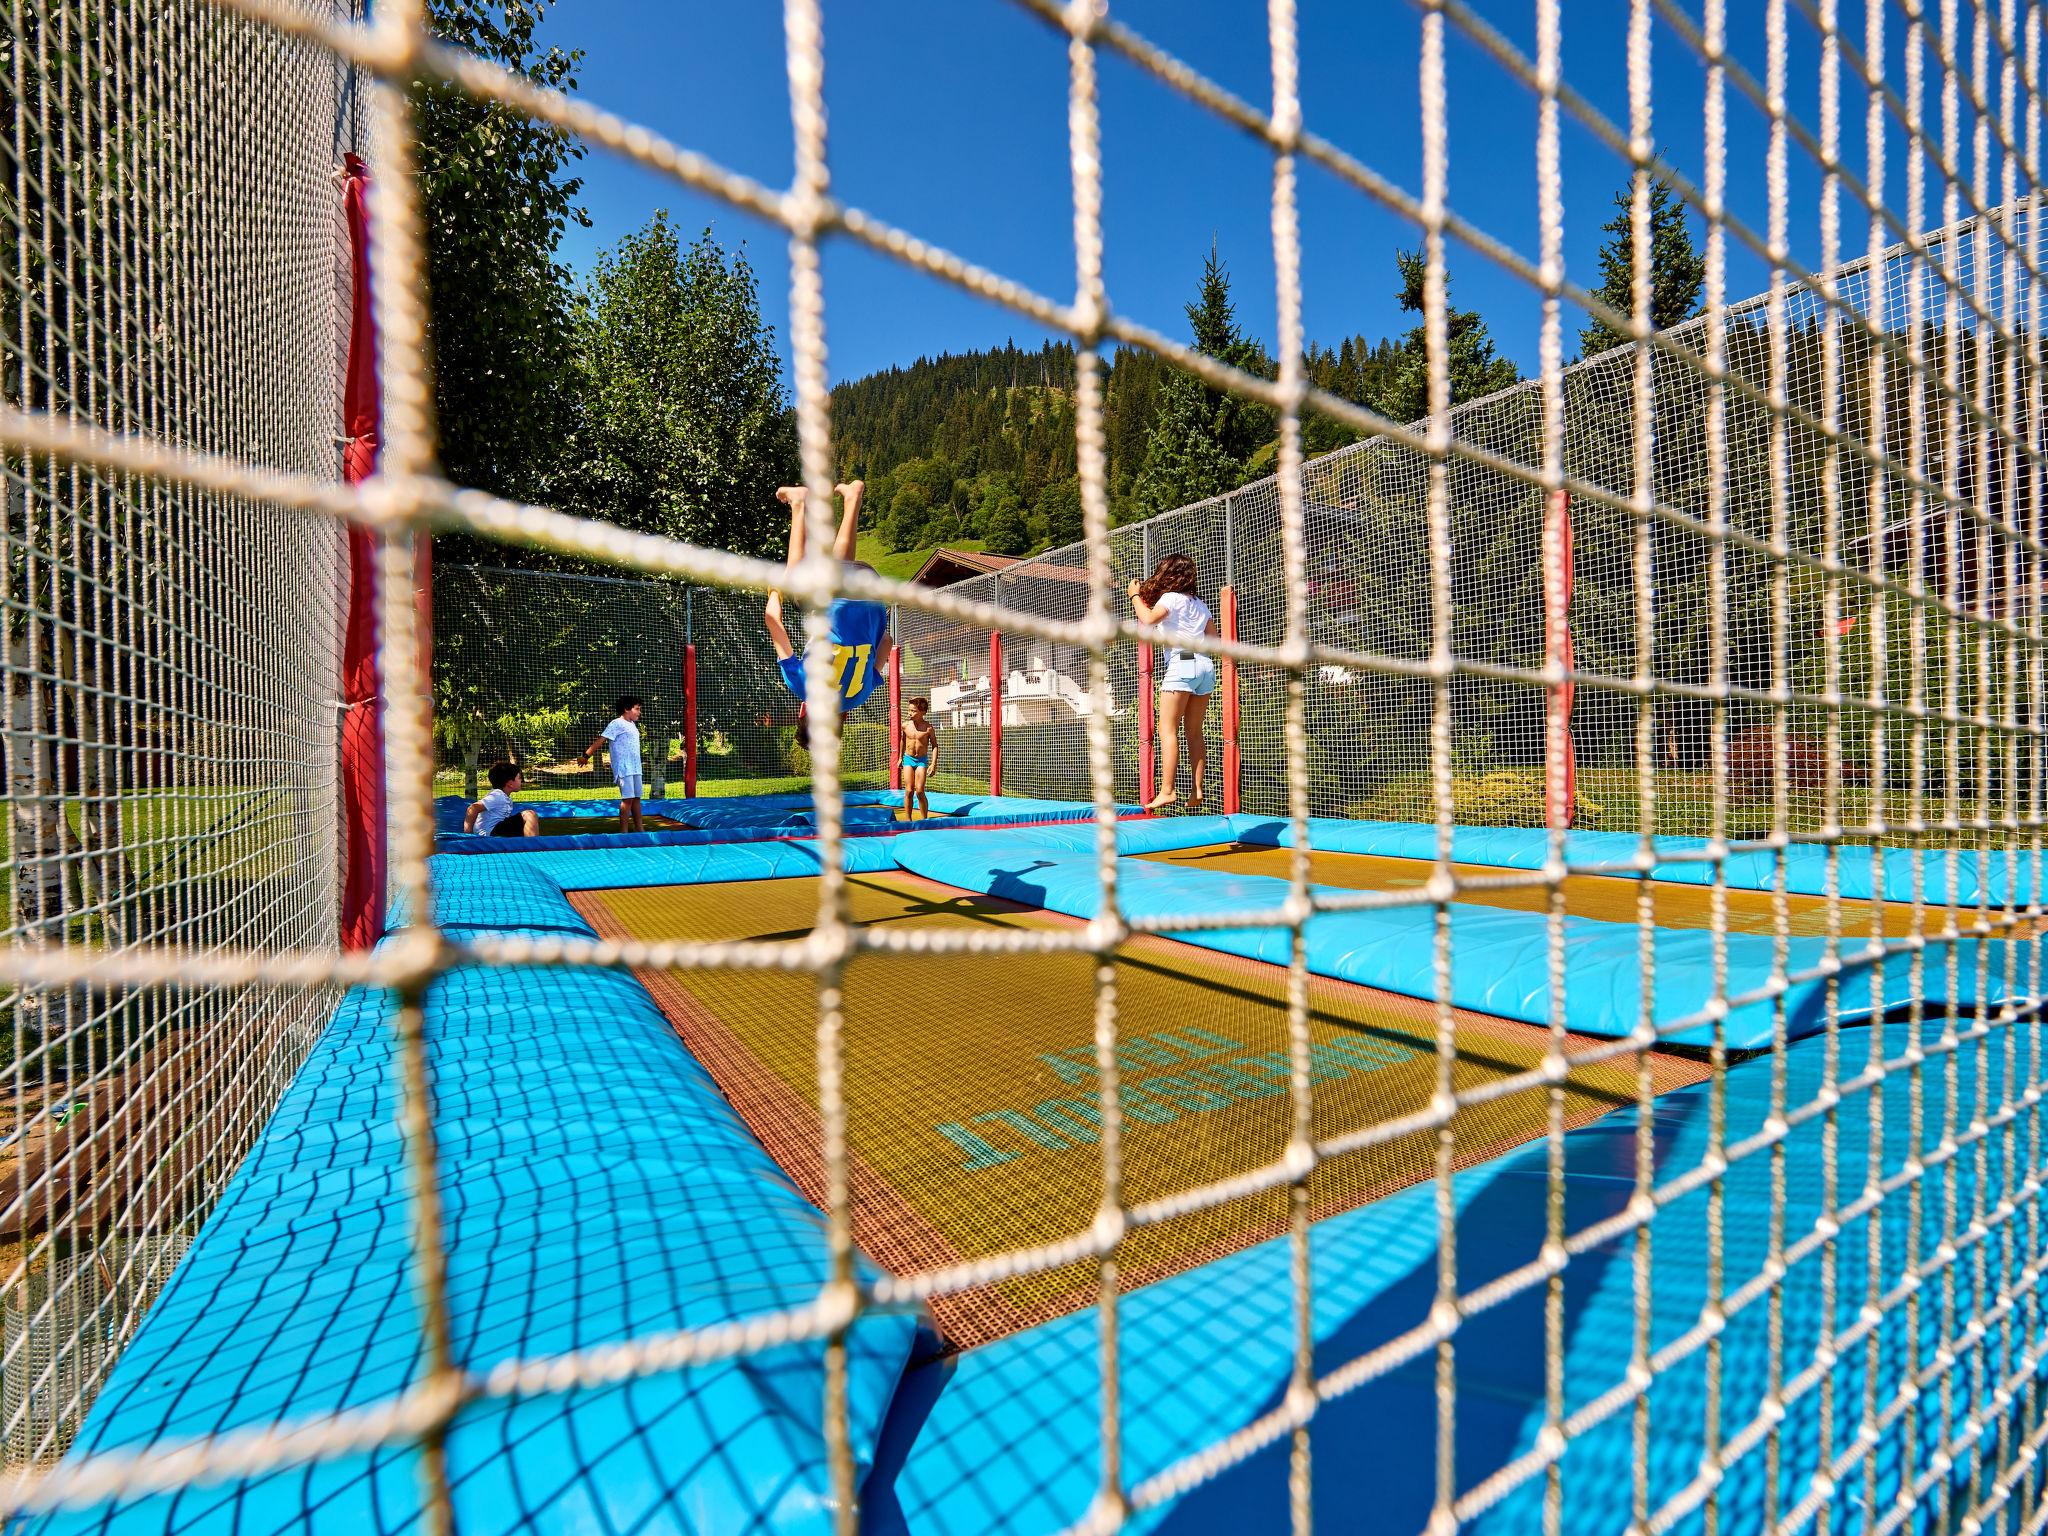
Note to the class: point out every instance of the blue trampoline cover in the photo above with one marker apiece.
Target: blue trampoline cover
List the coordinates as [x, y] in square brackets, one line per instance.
[597, 1190]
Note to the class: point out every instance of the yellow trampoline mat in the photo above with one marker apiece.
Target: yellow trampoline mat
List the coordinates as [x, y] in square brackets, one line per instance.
[1610, 898]
[971, 1088]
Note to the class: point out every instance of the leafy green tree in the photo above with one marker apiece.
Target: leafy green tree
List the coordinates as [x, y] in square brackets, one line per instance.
[1677, 269]
[910, 510]
[682, 427]
[1475, 367]
[1002, 513]
[495, 196]
[1058, 513]
[932, 480]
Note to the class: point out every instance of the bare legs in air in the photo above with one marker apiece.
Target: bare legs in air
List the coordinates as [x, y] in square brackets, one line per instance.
[792, 496]
[1181, 712]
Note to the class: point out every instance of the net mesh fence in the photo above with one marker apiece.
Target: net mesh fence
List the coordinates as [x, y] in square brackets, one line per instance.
[529, 665]
[1805, 529]
[170, 649]
[1917, 552]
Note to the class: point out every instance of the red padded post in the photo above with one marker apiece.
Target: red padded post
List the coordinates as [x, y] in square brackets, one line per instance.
[995, 712]
[1230, 753]
[896, 718]
[1561, 785]
[689, 722]
[1148, 767]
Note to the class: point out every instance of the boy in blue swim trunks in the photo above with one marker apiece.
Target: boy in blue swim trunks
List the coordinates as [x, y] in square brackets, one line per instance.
[920, 757]
[861, 645]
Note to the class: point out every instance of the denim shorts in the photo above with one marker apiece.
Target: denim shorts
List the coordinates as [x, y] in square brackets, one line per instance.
[629, 786]
[1189, 672]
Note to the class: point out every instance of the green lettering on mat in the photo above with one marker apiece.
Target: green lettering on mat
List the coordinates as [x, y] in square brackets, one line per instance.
[1076, 1117]
[1179, 1090]
[980, 1154]
[1030, 1128]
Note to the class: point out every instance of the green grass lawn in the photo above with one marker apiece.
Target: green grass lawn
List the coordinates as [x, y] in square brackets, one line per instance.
[709, 786]
[902, 564]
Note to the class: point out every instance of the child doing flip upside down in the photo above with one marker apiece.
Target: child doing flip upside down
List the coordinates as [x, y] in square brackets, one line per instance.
[859, 630]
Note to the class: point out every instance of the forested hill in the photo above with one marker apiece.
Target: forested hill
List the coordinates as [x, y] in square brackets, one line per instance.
[980, 445]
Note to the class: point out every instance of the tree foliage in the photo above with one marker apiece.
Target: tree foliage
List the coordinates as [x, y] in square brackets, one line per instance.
[1185, 460]
[495, 195]
[1475, 367]
[1202, 438]
[680, 423]
[1677, 269]
[1002, 518]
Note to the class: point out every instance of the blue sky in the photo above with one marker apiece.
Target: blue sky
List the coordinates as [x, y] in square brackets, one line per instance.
[948, 117]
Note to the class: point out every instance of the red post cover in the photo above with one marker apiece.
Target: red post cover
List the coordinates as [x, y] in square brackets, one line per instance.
[896, 717]
[1230, 755]
[1561, 785]
[1147, 767]
[362, 723]
[995, 712]
[689, 722]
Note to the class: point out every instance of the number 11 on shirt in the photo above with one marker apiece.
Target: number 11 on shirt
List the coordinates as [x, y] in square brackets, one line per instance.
[856, 657]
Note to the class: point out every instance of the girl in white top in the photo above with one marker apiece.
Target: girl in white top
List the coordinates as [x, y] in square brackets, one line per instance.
[1167, 599]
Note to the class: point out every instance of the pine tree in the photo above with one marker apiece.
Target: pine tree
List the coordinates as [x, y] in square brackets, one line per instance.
[1677, 270]
[1184, 461]
[1201, 437]
[1002, 510]
[1240, 425]
[1059, 512]
[1475, 368]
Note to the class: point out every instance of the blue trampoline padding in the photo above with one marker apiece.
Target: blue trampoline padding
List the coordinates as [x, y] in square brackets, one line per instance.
[747, 812]
[1143, 834]
[1996, 878]
[687, 837]
[623, 868]
[749, 818]
[449, 809]
[762, 810]
[598, 1189]
[473, 893]
[1500, 957]
[1004, 1439]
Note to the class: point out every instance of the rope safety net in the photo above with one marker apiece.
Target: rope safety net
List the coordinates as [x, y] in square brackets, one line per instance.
[1807, 530]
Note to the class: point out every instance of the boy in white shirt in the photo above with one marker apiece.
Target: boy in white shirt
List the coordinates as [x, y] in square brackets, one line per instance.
[495, 815]
[622, 739]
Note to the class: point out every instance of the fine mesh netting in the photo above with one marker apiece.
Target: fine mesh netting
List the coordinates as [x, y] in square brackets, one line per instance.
[169, 651]
[1929, 328]
[972, 1094]
[528, 666]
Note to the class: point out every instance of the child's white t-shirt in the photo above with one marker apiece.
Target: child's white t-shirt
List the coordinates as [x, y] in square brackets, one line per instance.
[624, 737]
[497, 806]
[1186, 614]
